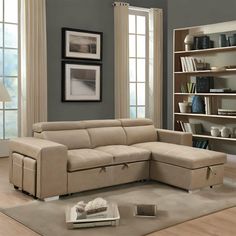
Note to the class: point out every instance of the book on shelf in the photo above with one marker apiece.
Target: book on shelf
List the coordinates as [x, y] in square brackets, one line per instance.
[207, 101]
[188, 87]
[222, 90]
[201, 144]
[194, 128]
[226, 112]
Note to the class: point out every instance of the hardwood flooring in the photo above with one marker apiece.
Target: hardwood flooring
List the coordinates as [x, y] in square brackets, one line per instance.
[222, 223]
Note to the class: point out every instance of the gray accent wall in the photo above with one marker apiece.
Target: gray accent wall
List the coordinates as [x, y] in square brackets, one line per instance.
[184, 13]
[94, 15]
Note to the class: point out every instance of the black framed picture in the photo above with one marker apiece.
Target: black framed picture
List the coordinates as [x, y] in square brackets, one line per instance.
[81, 82]
[81, 44]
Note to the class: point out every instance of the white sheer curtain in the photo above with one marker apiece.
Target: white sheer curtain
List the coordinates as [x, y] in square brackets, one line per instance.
[156, 66]
[121, 27]
[33, 64]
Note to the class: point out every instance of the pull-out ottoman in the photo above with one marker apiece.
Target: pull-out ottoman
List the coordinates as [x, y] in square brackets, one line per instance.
[185, 167]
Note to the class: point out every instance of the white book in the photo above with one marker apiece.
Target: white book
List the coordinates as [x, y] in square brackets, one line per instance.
[187, 127]
[183, 64]
[207, 105]
[194, 64]
[189, 64]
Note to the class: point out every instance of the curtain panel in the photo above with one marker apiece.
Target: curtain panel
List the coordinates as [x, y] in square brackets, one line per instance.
[33, 64]
[121, 28]
[156, 66]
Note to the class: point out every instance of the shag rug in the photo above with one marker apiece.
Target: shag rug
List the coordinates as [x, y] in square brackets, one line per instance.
[174, 206]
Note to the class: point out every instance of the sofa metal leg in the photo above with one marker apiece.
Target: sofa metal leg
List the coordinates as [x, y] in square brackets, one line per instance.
[49, 199]
[193, 191]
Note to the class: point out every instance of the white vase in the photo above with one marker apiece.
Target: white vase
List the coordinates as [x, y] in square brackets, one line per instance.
[215, 132]
[183, 107]
[225, 132]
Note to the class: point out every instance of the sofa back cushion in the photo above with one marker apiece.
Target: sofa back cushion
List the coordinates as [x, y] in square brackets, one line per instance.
[107, 136]
[139, 131]
[57, 125]
[73, 139]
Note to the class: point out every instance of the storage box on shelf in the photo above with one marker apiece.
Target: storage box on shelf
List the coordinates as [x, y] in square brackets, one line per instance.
[218, 61]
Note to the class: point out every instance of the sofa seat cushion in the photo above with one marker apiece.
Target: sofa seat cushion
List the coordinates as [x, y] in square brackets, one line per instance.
[126, 154]
[80, 159]
[183, 156]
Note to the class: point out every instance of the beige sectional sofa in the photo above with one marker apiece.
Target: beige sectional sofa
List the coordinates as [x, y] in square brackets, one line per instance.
[69, 157]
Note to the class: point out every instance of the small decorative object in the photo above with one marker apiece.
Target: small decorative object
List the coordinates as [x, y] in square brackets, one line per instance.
[218, 68]
[202, 65]
[145, 210]
[198, 105]
[184, 107]
[223, 41]
[96, 206]
[81, 82]
[234, 35]
[202, 42]
[232, 40]
[197, 42]
[188, 42]
[225, 132]
[230, 67]
[204, 84]
[109, 217]
[205, 42]
[81, 44]
[234, 132]
[80, 206]
[215, 131]
[212, 44]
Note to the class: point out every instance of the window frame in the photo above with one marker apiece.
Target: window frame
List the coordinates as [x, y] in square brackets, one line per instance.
[3, 108]
[145, 13]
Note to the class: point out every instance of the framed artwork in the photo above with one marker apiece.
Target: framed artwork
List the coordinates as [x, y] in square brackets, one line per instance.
[81, 82]
[81, 44]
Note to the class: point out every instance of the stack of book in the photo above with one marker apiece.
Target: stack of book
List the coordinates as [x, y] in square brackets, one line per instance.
[201, 144]
[222, 90]
[188, 64]
[226, 112]
[188, 87]
[190, 127]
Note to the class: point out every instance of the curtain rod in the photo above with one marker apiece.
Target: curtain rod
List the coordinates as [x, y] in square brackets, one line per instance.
[139, 8]
[120, 3]
[130, 7]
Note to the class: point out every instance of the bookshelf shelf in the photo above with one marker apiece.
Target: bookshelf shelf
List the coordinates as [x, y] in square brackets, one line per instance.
[204, 115]
[214, 138]
[206, 72]
[207, 94]
[208, 50]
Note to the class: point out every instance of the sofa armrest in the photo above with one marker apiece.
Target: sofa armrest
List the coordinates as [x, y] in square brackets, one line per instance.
[175, 137]
[51, 159]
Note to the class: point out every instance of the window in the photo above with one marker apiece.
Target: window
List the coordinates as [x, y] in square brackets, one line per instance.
[9, 67]
[138, 63]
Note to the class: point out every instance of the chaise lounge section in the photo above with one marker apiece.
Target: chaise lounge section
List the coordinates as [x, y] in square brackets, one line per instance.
[69, 157]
